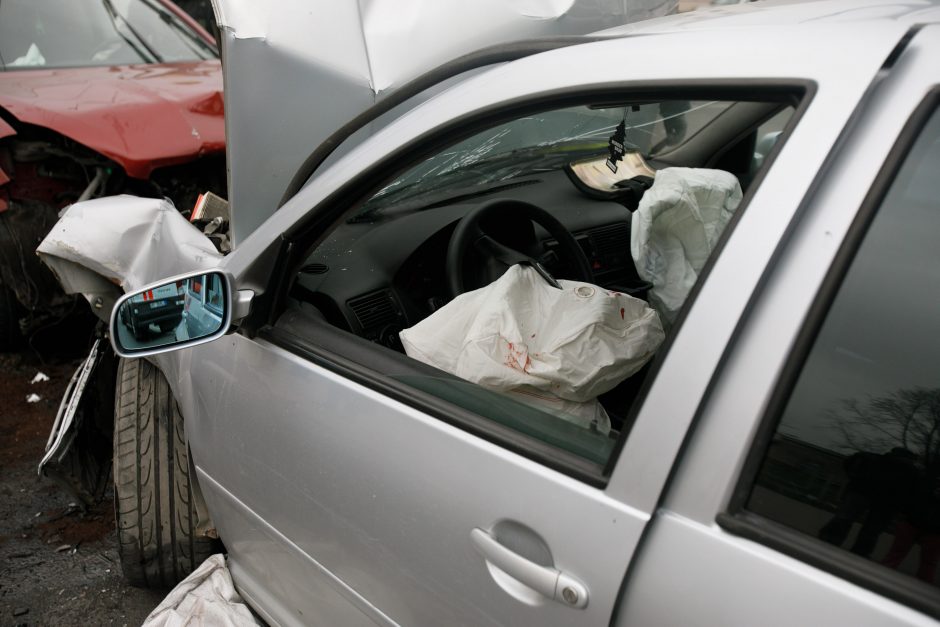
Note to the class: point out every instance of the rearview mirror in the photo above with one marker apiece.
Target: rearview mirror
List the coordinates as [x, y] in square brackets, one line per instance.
[183, 311]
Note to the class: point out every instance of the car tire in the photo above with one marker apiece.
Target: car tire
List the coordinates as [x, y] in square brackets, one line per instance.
[140, 333]
[153, 492]
[10, 336]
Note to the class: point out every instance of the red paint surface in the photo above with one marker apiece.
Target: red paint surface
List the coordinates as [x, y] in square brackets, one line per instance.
[621, 313]
[142, 116]
[6, 130]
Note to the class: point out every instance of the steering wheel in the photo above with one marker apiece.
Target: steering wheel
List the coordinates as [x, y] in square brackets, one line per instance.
[469, 233]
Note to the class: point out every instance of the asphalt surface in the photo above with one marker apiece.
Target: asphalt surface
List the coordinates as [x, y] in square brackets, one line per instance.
[58, 564]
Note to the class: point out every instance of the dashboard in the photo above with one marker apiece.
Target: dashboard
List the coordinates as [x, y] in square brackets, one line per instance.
[379, 277]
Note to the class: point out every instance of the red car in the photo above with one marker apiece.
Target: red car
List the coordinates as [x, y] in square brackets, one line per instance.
[97, 97]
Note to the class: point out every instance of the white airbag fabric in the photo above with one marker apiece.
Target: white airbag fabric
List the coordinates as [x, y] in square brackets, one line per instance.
[557, 349]
[205, 597]
[675, 228]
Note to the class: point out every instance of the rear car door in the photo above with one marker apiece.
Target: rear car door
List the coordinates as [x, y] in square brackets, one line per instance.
[350, 490]
[809, 490]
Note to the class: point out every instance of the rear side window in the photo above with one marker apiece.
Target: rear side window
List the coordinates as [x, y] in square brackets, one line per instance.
[855, 459]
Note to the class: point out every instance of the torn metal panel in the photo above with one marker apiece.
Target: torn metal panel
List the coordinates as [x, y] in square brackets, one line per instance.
[104, 247]
[296, 70]
[78, 452]
[61, 436]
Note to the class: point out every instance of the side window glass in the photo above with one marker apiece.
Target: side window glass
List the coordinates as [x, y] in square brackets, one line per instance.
[766, 138]
[539, 264]
[855, 460]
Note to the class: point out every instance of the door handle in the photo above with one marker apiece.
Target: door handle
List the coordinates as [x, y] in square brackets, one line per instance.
[547, 581]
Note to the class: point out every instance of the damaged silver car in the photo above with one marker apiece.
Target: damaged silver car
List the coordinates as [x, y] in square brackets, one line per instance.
[574, 340]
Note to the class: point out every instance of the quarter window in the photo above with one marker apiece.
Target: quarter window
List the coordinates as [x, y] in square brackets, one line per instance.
[855, 459]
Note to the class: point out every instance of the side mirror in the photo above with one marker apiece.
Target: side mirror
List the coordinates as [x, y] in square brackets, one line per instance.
[183, 311]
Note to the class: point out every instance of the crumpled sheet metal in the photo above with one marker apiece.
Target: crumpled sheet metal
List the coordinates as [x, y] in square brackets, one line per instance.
[676, 227]
[389, 42]
[105, 247]
[206, 597]
[297, 70]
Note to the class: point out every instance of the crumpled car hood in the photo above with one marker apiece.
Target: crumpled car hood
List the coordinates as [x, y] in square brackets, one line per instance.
[105, 247]
[143, 116]
[297, 70]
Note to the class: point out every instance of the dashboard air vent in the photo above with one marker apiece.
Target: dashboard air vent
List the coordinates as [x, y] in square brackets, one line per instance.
[315, 268]
[611, 243]
[375, 309]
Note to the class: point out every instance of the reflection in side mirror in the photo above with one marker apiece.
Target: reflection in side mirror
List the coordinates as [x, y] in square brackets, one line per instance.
[187, 310]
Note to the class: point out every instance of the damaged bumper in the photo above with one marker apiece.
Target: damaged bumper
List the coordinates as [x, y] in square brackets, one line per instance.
[78, 452]
[105, 247]
[99, 249]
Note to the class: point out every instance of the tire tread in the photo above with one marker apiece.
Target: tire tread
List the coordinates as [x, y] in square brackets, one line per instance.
[153, 495]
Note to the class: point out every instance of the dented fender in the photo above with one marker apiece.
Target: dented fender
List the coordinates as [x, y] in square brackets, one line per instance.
[105, 247]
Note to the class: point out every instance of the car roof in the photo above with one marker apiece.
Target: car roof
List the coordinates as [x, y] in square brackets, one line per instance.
[784, 14]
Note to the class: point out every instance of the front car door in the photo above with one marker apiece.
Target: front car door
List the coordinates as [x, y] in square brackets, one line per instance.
[351, 488]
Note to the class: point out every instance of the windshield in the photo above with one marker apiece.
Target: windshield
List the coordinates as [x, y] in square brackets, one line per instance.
[544, 142]
[75, 33]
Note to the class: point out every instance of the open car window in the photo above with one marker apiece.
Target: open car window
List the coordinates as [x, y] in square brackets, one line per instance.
[531, 273]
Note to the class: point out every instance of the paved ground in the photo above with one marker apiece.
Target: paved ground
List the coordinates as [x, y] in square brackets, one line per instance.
[58, 565]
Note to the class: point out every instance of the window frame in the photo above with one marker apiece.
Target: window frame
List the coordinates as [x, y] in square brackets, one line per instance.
[736, 518]
[361, 361]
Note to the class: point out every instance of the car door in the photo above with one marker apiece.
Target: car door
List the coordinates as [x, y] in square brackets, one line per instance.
[808, 493]
[349, 491]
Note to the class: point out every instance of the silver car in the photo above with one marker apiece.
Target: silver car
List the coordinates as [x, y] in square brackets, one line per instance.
[775, 462]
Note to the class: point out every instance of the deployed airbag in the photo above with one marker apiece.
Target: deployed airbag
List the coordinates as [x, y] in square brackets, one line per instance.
[554, 348]
[676, 227]
[206, 597]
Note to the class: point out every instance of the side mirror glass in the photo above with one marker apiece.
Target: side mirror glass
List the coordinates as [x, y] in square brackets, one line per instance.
[184, 311]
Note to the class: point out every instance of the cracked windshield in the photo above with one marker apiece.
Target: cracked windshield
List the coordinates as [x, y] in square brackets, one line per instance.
[542, 142]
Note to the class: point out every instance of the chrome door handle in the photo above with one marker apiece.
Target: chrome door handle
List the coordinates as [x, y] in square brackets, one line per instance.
[547, 581]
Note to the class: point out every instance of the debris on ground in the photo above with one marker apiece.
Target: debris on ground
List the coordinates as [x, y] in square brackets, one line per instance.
[33, 398]
[40, 377]
[206, 597]
[39, 586]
